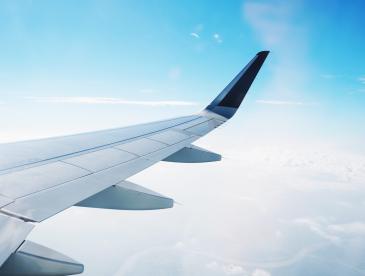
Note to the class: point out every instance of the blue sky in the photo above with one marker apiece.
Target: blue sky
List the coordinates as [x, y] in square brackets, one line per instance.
[183, 52]
[73, 66]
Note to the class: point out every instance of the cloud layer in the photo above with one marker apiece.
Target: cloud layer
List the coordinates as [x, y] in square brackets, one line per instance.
[104, 100]
[276, 102]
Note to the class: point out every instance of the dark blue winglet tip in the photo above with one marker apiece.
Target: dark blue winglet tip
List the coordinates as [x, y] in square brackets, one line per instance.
[229, 100]
[263, 53]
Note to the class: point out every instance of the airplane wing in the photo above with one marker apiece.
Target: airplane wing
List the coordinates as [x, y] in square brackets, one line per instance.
[41, 178]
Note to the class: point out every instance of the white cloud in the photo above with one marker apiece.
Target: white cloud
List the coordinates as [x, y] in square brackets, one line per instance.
[197, 30]
[233, 269]
[275, 102]
[317, 226]
[226, 269]
[217, 37]
[105, 100]
[320, 166]
[193, 34]
[269, 20]
[261, 272]
[362, 79]
[353, 228]
[180, 245]
[212, 265]
[274, 24]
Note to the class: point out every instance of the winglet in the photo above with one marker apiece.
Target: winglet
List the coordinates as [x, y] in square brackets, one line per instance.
[229, 100]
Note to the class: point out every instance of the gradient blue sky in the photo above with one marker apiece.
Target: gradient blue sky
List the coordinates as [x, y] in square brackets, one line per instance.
[183, 51]
[287, 199]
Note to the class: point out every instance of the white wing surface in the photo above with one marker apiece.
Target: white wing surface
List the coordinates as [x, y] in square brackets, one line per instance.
[41, 178]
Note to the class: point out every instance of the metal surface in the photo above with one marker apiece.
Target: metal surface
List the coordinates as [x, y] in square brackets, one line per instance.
[13, 155]
[21, 183]
[43, 204]
[13, 233]
[4, 201]
[193, 154]
[33, 259]
[100, 160]
[199, 120]
[169, 137]
[204, 128]
[142, 146]
[127, 196]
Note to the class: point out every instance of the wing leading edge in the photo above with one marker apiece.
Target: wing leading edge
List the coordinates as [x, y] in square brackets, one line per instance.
[41, 178]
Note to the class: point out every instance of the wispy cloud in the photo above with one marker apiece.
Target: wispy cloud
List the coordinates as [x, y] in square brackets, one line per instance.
[260, 272]
[225, 269]
[317, 226]
[193, 34]
[332, 232]
[269, 19]
[197, 30]
[362, 79]
[274, 24]
[217, 37]
[104, 100]
[275, 102]
[352, 228]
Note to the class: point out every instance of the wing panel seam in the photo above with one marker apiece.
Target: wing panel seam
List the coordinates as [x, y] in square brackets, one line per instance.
[143, 157]
[76, 153]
